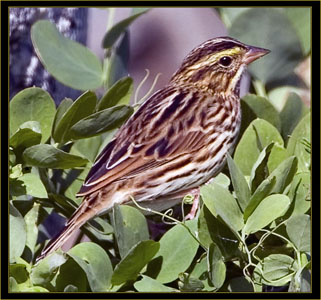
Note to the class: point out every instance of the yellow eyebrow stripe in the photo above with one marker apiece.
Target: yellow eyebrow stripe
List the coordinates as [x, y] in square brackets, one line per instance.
[211, 58]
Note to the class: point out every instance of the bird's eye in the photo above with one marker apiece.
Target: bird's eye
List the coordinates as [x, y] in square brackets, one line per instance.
[225, 61]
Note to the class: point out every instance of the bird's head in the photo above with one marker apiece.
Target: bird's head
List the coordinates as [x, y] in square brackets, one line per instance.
[217, 64]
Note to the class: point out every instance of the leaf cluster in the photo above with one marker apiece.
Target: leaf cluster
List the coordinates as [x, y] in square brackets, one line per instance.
[253, 225]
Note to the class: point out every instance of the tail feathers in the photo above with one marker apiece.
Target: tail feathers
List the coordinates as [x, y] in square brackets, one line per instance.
[80, 217]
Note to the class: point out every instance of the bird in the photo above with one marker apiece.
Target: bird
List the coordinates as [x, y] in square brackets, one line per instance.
[177, 140]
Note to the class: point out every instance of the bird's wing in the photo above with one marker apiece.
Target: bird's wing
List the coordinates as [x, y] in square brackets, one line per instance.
[165, 127]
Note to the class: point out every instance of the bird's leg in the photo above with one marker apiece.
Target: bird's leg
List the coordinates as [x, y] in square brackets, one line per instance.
[196, 193]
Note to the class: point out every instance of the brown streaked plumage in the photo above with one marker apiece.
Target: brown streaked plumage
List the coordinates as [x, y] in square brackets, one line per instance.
[176, 141]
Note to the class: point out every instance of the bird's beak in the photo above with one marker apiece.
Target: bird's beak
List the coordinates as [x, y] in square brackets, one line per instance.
[254, 53]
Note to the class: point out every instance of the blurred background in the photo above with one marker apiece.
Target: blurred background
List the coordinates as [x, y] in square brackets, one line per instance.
[159, 40]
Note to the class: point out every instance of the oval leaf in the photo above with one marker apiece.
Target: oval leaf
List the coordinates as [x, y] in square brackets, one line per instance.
[62, 108]
[275, 270]
[119, 93]
[240, 185]
[47, 156]
[269, 209]
[32, 185]
[24, 138]
[68, 61]
[31, 219]
[130, 227]
[216, 266]
[101, 121]
[17, 233]
[130, 266]
[297, 146]
[220, 202]
[211, 229]
[95, 263]
[298, 230]
[81, 108]
[261, 108]
[44, 271]
[32, 104]
[300, 193]
[177, 251]
[291, 114]
[258, 135]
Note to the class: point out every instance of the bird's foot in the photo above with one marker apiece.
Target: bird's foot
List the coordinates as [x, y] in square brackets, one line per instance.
[196, 193]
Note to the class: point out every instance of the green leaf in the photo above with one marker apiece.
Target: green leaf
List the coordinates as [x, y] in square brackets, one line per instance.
[300, 193]
[200, 271]
[291, 114]
[130, 227]
[24, 138]
[277, 270]
[32, 185]
[61, 110]
[31, 219]
[277, 156]
[81, 108]
[298, 230]
[276, 183]
[284, 174]
[148, 285]
[114, 33]
[222, 180]
[101, 121]
[259, 133]
[220, 202]
[68, 61]
[16, 172]
[296, 146]
[44, 271]
[261, 108]
[130, 266]
[19, 272]
[36, 289]
[13, 285]
[47, 156]
[263, 190]
[211, 229]
[17, 233]
[253, 24]
[269, 209]
[300, 17]
[71, 276]
[174, 258]
[32, 104]
[240, 185]
[259, 170]
[119, 94]
[95, 263]
[216, 266]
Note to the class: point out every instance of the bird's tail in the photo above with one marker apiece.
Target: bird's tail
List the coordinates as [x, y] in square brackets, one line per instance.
[84, 213]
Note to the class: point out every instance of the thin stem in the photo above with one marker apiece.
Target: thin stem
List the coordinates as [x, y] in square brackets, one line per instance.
[172, 219]
[106, 63]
